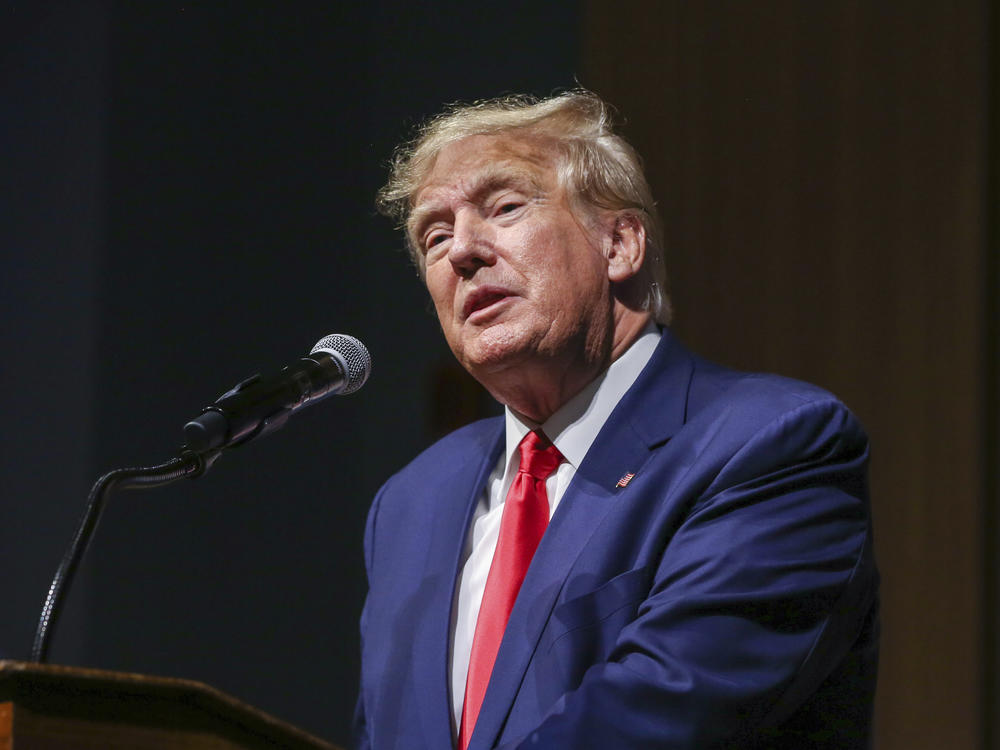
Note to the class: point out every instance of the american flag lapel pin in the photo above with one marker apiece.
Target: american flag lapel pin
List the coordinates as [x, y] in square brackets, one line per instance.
[623, 482]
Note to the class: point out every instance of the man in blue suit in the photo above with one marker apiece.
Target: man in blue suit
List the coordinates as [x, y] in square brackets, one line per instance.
[647, 550]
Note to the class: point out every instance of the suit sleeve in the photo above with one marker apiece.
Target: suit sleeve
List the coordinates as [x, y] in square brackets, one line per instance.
[759, 593]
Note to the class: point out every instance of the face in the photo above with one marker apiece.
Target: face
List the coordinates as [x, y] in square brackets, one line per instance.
[516, 275]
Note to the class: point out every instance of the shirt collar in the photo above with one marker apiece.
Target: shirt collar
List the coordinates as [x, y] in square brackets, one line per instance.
[575, 425]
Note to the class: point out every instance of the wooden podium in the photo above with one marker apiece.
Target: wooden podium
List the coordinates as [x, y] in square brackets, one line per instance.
[48, 707]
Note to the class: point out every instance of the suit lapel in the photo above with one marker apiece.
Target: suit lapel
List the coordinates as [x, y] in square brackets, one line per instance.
[648, 415]
[459, 495]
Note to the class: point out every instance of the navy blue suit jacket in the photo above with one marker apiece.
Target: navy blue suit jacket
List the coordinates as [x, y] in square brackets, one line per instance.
[725, 597]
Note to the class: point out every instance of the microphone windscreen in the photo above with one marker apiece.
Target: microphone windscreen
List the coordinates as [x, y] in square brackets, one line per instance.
[352, 354]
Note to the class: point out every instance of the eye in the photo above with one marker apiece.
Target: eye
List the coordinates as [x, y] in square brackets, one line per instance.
[433, 239]
[508, 206]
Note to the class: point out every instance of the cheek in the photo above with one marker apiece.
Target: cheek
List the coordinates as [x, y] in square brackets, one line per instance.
[547, 254]
[575, 268]
[440, 288]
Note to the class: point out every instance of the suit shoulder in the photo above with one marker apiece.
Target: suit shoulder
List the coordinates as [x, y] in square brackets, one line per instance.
[469, 443]
[436, 484]
[766, 395]
[741, 405]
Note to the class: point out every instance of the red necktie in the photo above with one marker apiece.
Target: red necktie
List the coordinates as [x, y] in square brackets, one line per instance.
[525, 516]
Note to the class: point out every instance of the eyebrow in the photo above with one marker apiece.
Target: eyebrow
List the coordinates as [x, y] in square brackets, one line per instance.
[490, 179]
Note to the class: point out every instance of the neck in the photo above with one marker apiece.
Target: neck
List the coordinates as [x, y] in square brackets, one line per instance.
[537, 389]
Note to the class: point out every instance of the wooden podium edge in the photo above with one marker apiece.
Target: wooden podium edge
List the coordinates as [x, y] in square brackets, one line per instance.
[20, 680]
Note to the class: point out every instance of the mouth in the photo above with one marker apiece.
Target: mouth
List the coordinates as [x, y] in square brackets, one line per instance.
[482, 300]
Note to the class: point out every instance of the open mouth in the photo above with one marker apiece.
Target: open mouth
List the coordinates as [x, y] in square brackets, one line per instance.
[483, 299]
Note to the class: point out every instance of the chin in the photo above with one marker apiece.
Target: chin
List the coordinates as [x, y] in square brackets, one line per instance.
[494, 349]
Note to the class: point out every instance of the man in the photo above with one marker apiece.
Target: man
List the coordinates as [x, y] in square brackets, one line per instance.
[647, 550]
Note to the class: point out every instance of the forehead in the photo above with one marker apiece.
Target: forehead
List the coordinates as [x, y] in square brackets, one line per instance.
[482, 161]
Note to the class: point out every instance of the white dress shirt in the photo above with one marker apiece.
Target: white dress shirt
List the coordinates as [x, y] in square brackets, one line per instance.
[571, 429]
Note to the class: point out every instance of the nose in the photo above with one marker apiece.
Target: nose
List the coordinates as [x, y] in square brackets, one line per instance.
[471, 245]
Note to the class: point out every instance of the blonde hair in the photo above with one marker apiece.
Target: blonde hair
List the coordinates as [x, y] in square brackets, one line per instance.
[600, 169]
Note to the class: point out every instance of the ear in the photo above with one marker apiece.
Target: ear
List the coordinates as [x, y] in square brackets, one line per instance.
[628, 247]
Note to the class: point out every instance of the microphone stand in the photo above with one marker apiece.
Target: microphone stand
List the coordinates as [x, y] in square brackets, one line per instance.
[188, 464]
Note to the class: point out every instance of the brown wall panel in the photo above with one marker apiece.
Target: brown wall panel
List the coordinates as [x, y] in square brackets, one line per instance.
[821, 171]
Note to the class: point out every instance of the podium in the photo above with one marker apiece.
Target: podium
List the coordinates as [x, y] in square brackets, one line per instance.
[50, 707]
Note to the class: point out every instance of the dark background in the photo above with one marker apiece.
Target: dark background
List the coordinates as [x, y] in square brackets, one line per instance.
[187, 199]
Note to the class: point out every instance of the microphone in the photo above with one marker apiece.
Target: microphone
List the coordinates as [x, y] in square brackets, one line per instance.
[338, 364]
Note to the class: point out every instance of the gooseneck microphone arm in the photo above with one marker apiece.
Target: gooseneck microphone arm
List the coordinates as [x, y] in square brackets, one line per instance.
[338, 364]
[188, 464]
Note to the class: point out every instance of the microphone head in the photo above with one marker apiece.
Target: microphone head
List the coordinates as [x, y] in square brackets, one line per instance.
[351, 354]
